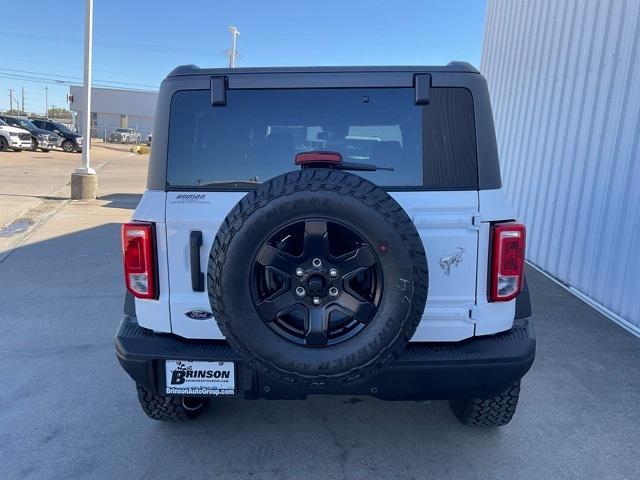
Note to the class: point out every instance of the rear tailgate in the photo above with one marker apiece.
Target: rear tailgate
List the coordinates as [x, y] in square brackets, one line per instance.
[445, 222]
[188, 212]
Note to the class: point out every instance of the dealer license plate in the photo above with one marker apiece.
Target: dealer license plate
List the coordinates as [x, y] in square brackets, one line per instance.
[200, 378]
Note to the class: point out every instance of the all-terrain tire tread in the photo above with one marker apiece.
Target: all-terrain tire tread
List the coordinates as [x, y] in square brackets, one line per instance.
[488, 412]
[313, 180]
[159, 407]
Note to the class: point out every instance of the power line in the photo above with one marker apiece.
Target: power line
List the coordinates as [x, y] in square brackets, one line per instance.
[72, 67]
[53, 81]
[118, 45]
[40, 73]
[49, 76]
[37, 80]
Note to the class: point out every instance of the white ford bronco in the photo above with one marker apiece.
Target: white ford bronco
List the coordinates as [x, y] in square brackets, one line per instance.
[333, 230]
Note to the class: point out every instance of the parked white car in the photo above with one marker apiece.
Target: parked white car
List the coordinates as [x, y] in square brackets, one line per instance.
[13, 138]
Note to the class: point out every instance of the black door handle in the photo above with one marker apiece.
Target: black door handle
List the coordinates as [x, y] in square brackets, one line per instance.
[197, 277]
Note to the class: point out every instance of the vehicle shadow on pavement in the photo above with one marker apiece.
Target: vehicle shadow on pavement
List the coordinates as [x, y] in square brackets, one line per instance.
[70, 411]
[121, 200]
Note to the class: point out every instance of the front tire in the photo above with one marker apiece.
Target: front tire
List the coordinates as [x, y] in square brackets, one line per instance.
[3, 144]
[488, 412]
[67, 146]
[159, 407]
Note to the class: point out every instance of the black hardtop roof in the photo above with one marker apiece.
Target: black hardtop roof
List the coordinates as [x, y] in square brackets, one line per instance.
[452, 67]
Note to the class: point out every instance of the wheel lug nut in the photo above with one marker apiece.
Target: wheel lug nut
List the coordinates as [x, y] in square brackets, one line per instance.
[333, 272]
[299, 272]
[316, 262]
[300, 292]
[333, 291]
[316, 300]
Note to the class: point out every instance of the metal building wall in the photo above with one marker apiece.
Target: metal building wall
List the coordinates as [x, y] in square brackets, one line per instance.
[116, 101]
[564, 77]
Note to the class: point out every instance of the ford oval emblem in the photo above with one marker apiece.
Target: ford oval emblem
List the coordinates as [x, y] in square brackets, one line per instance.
[199, 314]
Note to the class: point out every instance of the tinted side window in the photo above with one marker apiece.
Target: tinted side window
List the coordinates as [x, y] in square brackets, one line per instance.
[12, 122]
[450, 140]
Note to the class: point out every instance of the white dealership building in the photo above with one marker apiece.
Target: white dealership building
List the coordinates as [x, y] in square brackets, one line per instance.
[115, 108]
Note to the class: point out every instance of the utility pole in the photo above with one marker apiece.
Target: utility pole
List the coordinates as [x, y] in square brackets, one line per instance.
[69, 108]
[232, 54]
[10, 99]
[84, 181]
[46, 101]
[22, 100]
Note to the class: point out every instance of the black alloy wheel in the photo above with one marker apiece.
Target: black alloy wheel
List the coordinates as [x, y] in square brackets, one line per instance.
[317, 282]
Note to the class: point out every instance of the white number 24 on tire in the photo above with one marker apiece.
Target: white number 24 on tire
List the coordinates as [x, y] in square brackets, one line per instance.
[185, 377]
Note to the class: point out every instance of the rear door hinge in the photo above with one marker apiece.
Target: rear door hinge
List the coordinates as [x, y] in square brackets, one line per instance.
[473, 314]
[476, 220]
[218, 91]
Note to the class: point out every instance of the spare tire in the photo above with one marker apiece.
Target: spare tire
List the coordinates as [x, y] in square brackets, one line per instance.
[317, 277]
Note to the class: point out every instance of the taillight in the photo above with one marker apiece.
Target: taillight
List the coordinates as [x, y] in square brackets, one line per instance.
[139, 260]
[507, 261]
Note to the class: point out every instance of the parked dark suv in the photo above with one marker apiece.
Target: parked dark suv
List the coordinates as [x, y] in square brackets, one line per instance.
[40, 138]
[71, 142]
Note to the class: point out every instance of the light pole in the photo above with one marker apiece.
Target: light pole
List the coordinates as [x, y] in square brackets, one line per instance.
[84, 181]
[46, 101]
[232, 56]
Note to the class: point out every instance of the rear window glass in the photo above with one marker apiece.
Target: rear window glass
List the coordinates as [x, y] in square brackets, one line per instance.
[257, 134]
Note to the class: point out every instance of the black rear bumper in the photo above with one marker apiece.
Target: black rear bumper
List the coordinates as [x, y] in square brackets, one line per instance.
[476, 368]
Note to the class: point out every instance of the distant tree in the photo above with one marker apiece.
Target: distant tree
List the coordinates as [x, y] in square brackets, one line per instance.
[58, 113]
[15, 112]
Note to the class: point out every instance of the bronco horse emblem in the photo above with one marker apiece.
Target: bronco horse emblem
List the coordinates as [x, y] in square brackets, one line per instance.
[453, 259]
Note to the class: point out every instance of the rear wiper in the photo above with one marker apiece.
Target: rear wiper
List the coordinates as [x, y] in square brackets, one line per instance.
[361, 167]
[231, 183]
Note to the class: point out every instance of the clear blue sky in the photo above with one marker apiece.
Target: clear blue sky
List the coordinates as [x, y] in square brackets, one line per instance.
[136, 42]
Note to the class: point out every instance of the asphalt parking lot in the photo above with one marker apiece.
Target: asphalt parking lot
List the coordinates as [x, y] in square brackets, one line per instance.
[69, 411]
